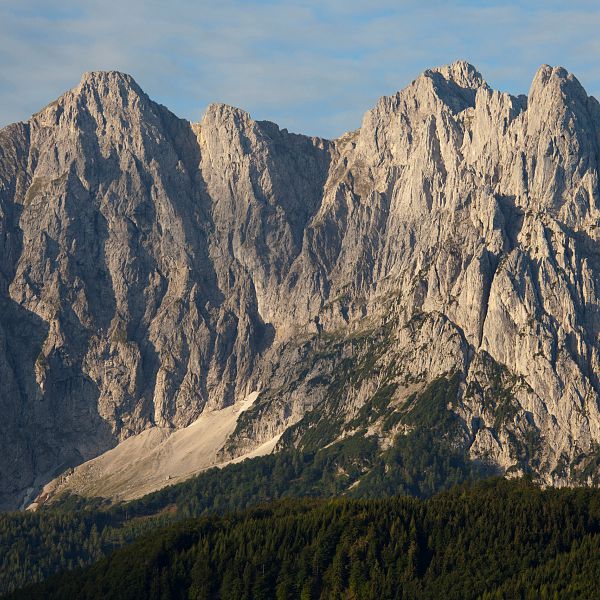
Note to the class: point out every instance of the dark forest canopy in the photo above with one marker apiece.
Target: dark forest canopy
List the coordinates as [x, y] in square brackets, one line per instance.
[492, 536]
[492, 539]
[75, 531]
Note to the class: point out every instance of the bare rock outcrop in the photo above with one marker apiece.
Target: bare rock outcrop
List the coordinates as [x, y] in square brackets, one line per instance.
[153, 269]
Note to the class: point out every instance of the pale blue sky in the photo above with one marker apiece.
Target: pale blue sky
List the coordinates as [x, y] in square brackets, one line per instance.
[313, 67]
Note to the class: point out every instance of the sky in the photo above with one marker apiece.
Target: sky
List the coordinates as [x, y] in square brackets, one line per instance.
[312, 67]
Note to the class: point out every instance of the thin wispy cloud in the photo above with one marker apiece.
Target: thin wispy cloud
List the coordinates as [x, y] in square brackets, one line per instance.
[313, 67]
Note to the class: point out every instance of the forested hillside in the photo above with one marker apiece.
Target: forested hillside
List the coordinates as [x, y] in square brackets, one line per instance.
[494, 539]
[76, 531]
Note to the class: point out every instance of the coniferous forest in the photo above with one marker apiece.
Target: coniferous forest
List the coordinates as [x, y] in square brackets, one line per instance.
[75, 532]
[491, 539]
[340, 521]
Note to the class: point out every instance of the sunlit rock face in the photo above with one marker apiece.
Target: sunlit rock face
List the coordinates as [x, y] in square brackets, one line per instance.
[153, 269]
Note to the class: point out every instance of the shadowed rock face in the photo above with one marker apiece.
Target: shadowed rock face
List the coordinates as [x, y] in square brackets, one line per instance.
[152, 269]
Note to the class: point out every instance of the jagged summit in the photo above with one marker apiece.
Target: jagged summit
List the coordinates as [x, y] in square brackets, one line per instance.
[106, 77]
[461, 73]
[559, 78]
[546, 72]
[220, 114]
[112, 86]
[105, 96]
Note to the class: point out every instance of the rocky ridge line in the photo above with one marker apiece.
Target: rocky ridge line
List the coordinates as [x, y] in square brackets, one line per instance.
[154, 269]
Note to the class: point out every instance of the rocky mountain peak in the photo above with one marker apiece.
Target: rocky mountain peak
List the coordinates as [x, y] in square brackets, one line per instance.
[153, 270]
[460, 72]
[220, 112]
[105, 81]
[556, 78]
[106, 93]
[224, 127]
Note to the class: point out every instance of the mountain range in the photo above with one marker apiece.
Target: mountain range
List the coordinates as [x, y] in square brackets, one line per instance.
[180, 295]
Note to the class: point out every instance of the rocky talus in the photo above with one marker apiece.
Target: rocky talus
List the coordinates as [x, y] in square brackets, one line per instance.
[153, 270]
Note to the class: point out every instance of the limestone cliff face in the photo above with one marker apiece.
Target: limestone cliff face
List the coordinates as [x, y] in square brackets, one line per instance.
[152, 269]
